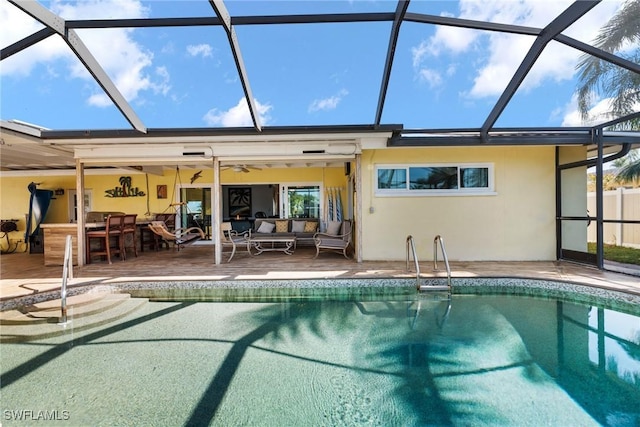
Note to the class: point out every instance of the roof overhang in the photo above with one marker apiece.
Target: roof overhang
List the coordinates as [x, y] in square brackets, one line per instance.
[270, 147]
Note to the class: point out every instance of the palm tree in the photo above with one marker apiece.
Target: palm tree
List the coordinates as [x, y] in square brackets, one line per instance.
[599, 77]
[629, 167]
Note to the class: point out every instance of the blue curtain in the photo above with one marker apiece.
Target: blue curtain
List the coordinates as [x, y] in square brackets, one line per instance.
[38, 207]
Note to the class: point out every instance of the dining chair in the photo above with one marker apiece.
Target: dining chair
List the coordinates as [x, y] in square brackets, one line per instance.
[129, 229]
[111, 232]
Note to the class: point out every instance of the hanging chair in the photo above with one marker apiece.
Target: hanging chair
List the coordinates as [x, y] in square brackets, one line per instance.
[180, 237]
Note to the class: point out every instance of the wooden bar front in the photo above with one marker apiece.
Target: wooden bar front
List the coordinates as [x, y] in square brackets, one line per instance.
[55, 238]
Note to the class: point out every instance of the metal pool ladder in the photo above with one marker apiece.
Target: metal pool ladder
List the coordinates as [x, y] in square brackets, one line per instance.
[411, 250]
[67, 273]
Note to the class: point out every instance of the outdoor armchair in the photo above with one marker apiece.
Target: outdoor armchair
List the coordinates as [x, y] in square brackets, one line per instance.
[230, 238]
[334, 242]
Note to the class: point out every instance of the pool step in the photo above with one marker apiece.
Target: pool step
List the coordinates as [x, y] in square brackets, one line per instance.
[41, 320]
[49, 311]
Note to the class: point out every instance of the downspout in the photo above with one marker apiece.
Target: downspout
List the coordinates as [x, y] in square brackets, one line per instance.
[80, 221]
[558, 205]
[599, 202]
[626, 147]
[358, 230]
[216, 222]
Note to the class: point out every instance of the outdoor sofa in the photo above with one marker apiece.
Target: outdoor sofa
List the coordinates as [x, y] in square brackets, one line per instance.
[302, 228]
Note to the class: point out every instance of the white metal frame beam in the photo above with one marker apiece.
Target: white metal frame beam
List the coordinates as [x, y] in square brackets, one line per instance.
[221, 10]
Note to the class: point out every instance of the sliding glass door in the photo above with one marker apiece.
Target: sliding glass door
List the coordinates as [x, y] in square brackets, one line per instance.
[195, 208]
[301, 201]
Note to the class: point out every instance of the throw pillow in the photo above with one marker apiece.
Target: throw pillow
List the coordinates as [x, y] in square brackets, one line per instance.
[297, 226]
[282, 226]
[310, 226]
[266, 227]
[333, 227]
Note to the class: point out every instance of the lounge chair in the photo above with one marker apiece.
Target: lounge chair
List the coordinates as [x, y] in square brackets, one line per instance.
[180, 237]
[334, 242]
[230, 238]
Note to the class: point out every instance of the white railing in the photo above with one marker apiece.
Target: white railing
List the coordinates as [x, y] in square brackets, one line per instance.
[411, 250]
[437, 239]
[411, 245]
[67, 273]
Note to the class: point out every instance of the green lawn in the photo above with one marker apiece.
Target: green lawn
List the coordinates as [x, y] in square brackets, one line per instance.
[618, 253]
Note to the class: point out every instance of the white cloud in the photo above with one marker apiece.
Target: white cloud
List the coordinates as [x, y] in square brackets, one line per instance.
[327, 104]
[449, 39]
[162, 86]
[432, 77]
[500, 54]
[238, 115]
[599, 112]
[16, 25]
[200, 49]
[125, 61]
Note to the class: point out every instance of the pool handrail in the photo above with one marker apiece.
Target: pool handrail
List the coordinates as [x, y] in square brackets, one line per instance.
[437, 239]
[67, 273]
[411, 250]
[411, 245]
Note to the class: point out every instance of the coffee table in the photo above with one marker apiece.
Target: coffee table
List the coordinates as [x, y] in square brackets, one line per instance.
[286, 244]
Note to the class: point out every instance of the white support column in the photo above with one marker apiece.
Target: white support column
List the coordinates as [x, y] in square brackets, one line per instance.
[80, 235]
[217, 210]
[358, 229]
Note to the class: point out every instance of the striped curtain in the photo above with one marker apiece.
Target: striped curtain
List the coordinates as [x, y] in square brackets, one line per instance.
[338, 206]
[329, 206]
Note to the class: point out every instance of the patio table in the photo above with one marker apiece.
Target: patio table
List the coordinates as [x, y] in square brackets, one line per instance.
[286, 244]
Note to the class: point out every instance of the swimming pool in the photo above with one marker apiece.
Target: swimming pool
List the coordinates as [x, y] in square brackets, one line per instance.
[379, 354]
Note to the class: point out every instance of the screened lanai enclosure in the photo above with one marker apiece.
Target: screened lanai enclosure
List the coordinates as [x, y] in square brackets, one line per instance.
[292, 85]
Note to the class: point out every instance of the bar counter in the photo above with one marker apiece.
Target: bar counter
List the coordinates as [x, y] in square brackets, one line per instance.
[55, 237]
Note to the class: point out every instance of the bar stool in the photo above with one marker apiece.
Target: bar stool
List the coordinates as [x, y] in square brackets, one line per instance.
[113, 229]
[129, 228]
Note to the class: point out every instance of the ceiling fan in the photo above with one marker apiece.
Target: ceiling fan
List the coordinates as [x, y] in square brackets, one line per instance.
[241, 168]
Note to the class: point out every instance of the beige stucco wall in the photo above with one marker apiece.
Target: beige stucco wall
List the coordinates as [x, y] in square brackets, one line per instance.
[517, 223]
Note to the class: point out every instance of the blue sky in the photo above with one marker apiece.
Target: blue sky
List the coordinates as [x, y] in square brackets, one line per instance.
[319, 74]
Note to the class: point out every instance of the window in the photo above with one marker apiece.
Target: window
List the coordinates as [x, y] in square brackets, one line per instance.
[434, 179]
[73, 204]
[302, 201]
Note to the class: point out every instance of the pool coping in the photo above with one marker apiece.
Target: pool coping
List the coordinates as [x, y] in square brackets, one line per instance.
[294, 288]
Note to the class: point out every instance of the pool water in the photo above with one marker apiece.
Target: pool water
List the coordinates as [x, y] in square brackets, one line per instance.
[405, 359]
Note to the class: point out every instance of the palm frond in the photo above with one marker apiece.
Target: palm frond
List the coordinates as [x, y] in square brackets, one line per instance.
[629, 172]
[599, 77]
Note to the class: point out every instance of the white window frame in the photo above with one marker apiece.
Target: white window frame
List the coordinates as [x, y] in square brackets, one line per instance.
[407, 192]
[284, 197]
